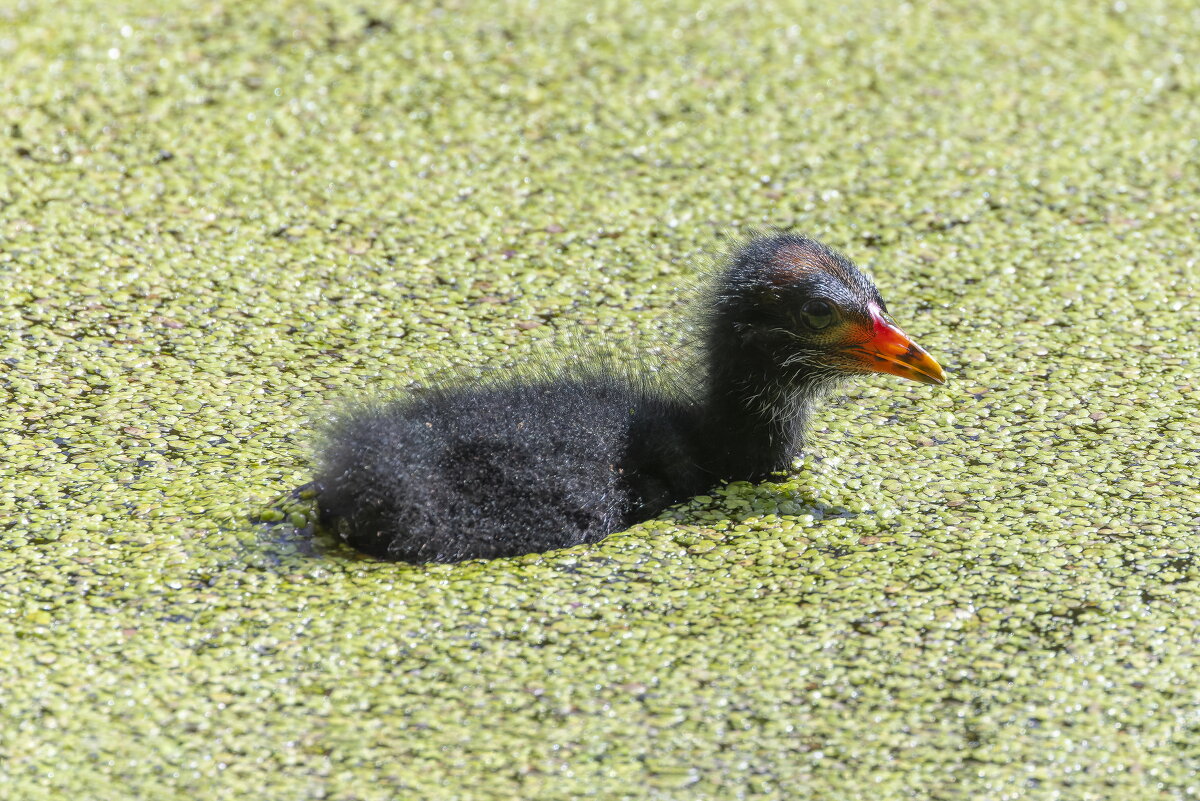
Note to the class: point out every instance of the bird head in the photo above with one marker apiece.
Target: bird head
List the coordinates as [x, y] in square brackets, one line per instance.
[809, 310]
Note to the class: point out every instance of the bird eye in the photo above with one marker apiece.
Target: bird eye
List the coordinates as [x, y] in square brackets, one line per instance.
[817, 314]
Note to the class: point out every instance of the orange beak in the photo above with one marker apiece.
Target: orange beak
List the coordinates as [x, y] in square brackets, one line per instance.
[889, 350]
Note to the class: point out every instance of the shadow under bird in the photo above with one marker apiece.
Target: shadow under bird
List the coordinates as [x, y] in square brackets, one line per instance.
[499, 467]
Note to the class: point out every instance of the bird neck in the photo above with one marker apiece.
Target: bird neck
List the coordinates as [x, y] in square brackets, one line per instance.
[755, 416]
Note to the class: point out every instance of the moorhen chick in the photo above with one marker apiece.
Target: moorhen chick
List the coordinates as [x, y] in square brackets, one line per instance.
[501, 467]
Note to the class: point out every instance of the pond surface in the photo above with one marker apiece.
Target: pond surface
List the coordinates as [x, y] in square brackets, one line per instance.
[218, 225]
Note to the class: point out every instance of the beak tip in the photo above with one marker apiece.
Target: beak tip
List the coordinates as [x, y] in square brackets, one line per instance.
[925, 378]
[933, 374]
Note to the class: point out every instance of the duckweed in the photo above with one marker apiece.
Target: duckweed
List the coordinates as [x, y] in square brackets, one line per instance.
[219, 224]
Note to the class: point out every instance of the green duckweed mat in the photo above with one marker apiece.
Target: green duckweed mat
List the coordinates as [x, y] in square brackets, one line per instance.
[219, 222]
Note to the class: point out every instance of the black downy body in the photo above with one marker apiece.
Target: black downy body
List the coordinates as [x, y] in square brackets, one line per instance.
[501, 468]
